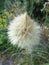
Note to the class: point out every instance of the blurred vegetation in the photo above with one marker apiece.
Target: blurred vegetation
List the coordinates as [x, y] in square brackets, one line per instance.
[1, 5]
[35, 8]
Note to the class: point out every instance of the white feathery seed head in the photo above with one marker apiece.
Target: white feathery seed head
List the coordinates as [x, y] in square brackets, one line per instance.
[24, 32]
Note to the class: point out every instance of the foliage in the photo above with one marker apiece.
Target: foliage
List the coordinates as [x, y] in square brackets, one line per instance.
[46, 64]
[34, 9]
[3, 21]
[1, 5]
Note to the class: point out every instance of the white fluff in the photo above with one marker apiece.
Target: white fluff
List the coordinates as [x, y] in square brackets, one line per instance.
[24, 32]
[46, 3]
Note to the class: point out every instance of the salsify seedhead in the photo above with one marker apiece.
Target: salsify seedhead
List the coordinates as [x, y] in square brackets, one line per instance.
[24, 32]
